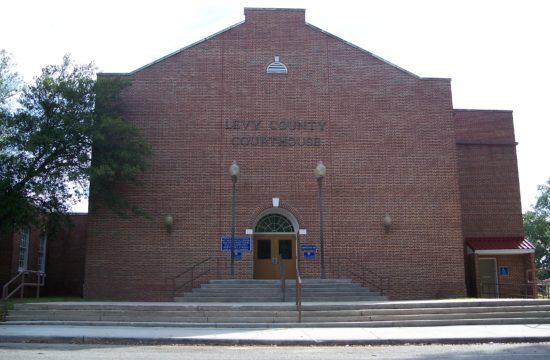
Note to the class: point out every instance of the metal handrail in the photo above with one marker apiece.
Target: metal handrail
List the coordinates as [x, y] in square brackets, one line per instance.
[496, 290]
[543, 289]
[381, 283]
[298, 280]
[40, 281]
[190, 270]
[298, 293]
[282, 276]
[193, 274]
[6, 294]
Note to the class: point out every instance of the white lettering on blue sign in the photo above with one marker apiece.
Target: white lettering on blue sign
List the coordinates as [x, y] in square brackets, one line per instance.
[241, 243]
[309, 251]
[309, 247]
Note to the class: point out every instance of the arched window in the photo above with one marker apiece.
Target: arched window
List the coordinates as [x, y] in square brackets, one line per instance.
[276, 67]
[274, 223]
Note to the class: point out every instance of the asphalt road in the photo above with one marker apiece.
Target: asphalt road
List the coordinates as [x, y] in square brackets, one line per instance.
[522, 351]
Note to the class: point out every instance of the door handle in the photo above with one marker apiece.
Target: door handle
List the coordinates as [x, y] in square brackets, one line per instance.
[274, 260]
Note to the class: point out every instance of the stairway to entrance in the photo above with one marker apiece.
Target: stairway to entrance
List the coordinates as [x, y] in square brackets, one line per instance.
[313, 290]
[281, 315]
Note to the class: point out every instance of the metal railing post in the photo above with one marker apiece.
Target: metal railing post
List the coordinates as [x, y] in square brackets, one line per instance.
[39, 278]
[282, 276]
[22, 287]
[192, 276]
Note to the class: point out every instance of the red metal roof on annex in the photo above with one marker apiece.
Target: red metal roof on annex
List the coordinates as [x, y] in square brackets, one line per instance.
[515, 243]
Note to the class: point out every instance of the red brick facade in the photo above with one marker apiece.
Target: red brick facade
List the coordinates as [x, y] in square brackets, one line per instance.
[490, 197]
[64, 257]
[386, 136]
[489, 182]
[518, 283]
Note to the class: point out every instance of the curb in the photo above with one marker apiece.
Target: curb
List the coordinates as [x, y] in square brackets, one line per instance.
[227, 342]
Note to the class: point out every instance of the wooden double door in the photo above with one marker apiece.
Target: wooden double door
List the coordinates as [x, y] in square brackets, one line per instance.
[269, 250]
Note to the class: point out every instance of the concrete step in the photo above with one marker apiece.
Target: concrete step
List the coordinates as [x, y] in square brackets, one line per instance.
[247, 290]
[278, 289]
[294, 324]
[287, 299]
[261, 315]
[277, 284]
[375, 314]
[276, 294]
[290, 281]
[379, 306]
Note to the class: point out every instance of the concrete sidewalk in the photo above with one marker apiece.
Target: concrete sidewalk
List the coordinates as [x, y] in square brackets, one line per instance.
[274, 336]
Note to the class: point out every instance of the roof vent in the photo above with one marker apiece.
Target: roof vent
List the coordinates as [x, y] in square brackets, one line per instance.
[276, 67]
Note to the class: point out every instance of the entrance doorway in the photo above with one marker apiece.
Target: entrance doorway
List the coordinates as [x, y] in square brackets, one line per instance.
[488, 278]
[274, 241]
[269, 250]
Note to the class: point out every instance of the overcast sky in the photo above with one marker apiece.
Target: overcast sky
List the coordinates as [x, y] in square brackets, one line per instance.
[497, 53]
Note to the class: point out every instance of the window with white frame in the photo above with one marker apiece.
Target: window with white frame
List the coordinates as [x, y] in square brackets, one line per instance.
[42, 252]
[24, 248]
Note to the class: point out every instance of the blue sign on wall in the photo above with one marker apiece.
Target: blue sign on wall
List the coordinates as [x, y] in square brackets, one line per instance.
[242, 243]
[309, 251]
[309, 247]
[504, 271]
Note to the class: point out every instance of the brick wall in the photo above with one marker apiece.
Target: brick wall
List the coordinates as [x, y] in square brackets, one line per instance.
[6, 251]
[386, 136]
[489, 182]
[490, 195]
[516, 283]
[65, 253]
[66, 258]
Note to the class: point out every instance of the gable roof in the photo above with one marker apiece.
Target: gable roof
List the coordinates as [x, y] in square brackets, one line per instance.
[278, 10]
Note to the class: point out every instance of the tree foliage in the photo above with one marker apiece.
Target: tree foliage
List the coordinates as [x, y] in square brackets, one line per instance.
[536, 224]
[10, 82]
[120, 152]
[46, 145]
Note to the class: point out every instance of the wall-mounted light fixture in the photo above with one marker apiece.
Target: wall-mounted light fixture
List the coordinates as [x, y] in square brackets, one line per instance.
[168, 222]
[387, 222]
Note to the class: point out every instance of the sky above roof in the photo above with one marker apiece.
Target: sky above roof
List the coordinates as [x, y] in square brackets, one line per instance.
[495, 51]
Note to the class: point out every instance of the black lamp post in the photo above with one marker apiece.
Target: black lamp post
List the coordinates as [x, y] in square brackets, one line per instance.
[234, 171]
[320, 172]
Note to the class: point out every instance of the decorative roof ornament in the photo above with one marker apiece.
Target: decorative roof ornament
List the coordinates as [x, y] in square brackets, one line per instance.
[277, 67]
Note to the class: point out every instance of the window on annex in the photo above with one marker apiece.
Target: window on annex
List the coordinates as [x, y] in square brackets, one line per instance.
[24, 249]
[42, 252]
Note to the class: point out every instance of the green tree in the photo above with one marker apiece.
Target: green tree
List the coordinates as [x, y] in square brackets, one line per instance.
[46, 145]
[10, 82]
[536, 224]
[120, 152]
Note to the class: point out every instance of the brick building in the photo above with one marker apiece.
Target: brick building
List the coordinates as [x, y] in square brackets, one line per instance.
[60, 255]
[412, 188]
